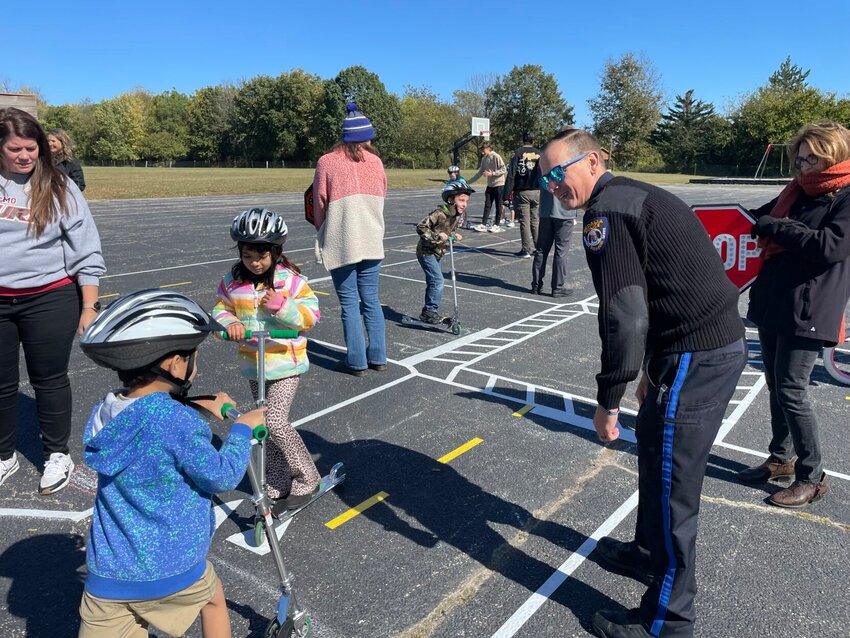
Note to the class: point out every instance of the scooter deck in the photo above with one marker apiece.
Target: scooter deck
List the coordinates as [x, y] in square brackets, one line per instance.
[446, 325]
[326, 484]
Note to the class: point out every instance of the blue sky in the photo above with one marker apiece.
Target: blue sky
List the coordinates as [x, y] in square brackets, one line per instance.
[96, 50]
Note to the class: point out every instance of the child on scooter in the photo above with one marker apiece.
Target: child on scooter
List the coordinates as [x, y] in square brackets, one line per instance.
[157, 470]
[434, 231]
[265, 291]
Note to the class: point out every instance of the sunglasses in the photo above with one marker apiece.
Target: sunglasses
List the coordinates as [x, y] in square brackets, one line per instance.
[556, 175]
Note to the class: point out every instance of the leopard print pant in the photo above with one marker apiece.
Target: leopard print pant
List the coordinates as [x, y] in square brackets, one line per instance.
[289, 466]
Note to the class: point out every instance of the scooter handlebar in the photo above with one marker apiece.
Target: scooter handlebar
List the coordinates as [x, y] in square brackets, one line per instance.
[229, 411]
[274, 334]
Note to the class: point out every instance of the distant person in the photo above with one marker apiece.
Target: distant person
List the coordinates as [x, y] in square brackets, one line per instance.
[556, 229]
[61, 148]
[493, 168]
[49, 271]
[454, 173]
[434, 232]
[349, 189]
[157, 471]
[264, 290]
[798, 302]
[665, 307]
[523, 175]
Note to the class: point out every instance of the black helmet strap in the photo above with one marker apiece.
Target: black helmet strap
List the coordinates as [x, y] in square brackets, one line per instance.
[184, 384]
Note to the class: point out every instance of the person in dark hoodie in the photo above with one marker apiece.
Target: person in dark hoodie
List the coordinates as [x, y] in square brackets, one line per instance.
[157, 469]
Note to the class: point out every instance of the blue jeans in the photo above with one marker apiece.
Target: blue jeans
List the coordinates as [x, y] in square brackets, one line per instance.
[356, 286]
[433, 281]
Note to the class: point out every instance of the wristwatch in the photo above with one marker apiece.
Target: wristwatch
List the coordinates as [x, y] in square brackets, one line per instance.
[92, 306]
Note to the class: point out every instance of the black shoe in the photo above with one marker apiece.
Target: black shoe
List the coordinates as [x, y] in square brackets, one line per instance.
[619, 624]
[289, 503]
[378, 367]
[342, 367]
[536, 290]
[563, 292]
[626, 559]
[429, 316]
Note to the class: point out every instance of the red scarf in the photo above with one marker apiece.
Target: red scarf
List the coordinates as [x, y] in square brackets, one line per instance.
[828, 180]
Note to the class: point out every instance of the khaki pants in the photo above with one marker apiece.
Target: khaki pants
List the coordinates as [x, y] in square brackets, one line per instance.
[174, 614]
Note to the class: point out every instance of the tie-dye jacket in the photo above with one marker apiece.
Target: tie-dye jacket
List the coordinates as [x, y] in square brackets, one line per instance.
[239, 301]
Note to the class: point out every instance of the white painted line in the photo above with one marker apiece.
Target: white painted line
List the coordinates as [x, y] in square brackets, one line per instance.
[47, 514]
[491, 381]
[445, 360]
[738, 412]
[445, 348]
[245, 538]
[513, 624]
[224, 510]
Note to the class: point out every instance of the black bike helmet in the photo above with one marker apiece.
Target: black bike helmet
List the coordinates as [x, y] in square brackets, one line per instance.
[258, 226]
[456, 187]
[137, 330]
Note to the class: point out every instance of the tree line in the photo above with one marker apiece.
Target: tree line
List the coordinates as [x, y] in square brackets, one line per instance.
[295, 117]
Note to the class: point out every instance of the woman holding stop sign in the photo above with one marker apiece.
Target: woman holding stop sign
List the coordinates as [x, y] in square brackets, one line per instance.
[798, 301]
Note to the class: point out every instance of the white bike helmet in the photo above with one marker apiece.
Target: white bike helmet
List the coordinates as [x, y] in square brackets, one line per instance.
[454, 169]
[258, 226]
[139, 329]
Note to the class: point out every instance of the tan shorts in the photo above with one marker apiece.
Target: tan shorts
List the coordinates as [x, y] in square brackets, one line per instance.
[174, 614]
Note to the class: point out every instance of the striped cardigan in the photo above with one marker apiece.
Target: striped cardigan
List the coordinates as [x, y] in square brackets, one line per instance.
[238, 301]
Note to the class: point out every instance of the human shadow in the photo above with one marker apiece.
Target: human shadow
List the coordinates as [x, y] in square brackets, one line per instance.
[322, 356]
[447, 507]
[29, 443]
[486, 281]
[46, 583]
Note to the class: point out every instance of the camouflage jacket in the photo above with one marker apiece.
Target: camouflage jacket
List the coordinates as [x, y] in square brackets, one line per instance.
[443, 220]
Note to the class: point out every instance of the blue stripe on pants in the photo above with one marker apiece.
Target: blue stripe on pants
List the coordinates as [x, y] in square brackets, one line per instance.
[666, 487]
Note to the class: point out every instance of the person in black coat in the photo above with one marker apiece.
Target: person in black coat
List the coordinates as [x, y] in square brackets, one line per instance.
[798, 301]
[61, 148]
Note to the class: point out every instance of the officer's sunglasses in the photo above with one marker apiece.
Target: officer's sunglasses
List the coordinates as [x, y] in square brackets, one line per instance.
[556, 175]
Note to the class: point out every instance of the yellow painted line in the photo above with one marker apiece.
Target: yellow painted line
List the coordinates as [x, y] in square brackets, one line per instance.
[522, 410]
[182, 283]
[113, 294]
[319, 292]
[358, 509]
[457, 452]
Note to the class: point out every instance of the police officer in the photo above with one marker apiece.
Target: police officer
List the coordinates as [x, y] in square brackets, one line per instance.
[666, 307]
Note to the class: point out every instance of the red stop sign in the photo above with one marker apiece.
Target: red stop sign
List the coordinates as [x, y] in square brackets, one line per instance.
[728, 226]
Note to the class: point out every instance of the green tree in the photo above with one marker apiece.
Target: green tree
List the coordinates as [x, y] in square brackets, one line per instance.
[429, 126]
[119, 126]
[774, 112]
[210, 123]
[627, 109]
[690, 133]
[364, 88]
[526, 100]
[167, 131]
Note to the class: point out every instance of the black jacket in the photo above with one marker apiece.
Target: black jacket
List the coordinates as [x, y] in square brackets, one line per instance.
[804, 290]
[524, 170]
[73, 169]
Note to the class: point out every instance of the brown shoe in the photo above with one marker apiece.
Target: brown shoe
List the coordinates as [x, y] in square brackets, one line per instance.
[771, 469]
[800, 494]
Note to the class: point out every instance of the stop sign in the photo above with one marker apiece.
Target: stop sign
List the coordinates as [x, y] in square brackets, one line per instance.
[728, 226]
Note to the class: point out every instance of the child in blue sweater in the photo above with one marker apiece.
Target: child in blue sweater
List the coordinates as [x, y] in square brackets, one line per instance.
[157, 469]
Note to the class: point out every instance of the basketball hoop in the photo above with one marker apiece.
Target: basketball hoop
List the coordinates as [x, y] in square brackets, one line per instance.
[485, 135]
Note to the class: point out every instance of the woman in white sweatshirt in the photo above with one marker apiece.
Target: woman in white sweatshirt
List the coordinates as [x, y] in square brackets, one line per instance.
[48, 290]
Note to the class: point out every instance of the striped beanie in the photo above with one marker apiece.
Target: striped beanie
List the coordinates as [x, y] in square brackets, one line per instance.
[356, 127]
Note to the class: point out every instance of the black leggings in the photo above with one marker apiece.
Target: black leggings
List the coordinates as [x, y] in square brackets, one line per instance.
[45, 325]
[493, 194]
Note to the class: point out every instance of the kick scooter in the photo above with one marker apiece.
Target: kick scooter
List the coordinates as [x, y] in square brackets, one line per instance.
[449, 324]
[291, 621]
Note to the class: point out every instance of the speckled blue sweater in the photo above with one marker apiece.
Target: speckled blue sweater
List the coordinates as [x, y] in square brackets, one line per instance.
[157, 469]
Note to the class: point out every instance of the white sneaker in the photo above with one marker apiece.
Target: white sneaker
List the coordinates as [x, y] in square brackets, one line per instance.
[495, 229]
[480, 228]
[57, 473]
[8, 467]
[510, 224]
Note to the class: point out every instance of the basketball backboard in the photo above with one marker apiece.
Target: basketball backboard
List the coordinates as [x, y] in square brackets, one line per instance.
[481, 127]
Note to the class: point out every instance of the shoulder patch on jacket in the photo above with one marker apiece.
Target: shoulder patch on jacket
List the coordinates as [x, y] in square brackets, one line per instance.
[620, 198]
[595, 235]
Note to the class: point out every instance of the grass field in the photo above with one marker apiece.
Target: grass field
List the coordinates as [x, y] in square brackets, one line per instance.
[131, 183]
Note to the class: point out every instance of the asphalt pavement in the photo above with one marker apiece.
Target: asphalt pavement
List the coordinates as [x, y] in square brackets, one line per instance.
[475, 485]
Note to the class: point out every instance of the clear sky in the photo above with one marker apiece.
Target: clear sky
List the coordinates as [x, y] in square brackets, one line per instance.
[722, 49]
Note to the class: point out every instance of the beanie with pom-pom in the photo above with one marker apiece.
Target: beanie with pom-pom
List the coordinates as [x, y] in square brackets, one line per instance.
[356, 127]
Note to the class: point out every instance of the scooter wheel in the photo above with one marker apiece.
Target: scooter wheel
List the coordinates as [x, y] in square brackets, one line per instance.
[259, 531]
[456, 329]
